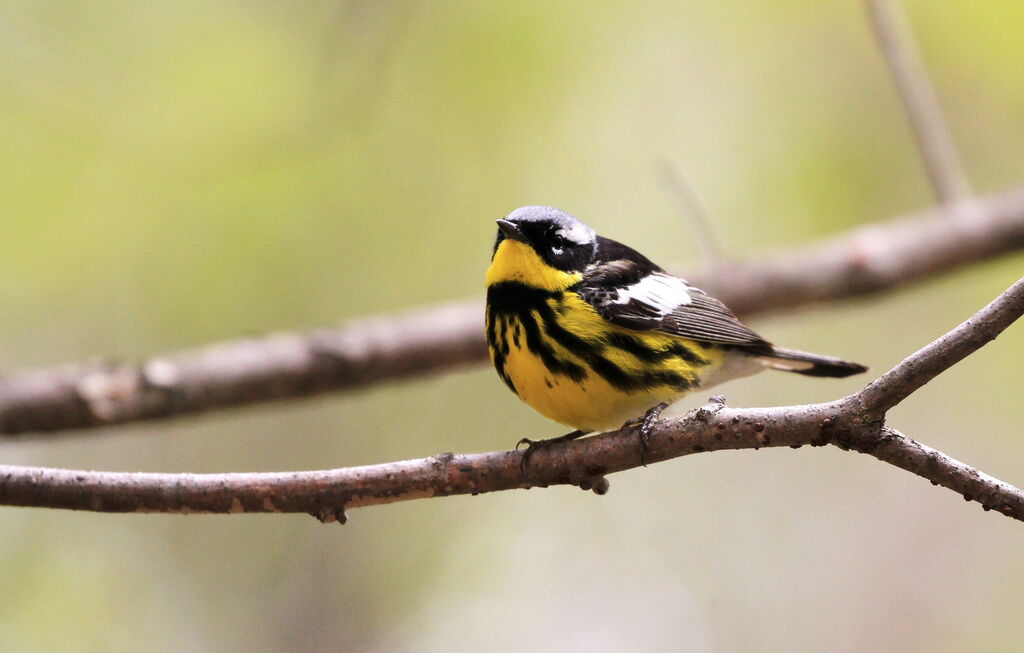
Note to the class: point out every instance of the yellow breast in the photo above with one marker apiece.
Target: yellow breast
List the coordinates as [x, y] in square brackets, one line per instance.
[572, 366]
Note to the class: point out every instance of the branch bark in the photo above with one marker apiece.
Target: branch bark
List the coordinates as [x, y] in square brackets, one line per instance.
[855, 422]
[437, 340]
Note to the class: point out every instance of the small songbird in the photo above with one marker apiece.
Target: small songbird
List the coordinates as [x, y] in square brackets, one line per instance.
[591, 334]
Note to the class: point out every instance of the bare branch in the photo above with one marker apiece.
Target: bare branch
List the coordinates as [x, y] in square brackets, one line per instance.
[244, 371]
[897, 449]
[437, 340]
[921, 367]
[938, 154]
[874, 258]
[844, 423]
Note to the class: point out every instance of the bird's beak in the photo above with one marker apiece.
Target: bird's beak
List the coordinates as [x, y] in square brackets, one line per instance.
[511, 230]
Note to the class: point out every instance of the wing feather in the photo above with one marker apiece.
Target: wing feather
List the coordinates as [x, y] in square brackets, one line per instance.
[636, 294]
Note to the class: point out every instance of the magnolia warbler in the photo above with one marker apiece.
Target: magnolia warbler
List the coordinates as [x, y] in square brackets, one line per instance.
[592, 334]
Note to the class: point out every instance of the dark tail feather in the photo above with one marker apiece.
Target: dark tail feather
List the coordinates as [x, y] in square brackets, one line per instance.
[791, 360]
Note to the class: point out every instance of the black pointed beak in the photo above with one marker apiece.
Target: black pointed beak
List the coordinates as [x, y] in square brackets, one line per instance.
[511, 230]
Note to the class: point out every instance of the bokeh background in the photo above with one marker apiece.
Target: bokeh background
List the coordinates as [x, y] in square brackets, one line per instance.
[178, 173]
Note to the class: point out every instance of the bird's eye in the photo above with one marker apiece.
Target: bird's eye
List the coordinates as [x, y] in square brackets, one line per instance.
[558, 244]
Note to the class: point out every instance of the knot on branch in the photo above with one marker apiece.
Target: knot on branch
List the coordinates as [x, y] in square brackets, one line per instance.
[115, 393]
[331, 514]
[715, 404]
[857, 434]
[598, 485]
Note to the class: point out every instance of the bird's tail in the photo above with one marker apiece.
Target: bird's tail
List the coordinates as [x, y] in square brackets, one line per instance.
[791, 360]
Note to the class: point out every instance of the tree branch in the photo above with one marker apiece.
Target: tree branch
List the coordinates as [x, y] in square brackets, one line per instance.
[854, 422]
[938, 154]
[921, 367]
[437, 340]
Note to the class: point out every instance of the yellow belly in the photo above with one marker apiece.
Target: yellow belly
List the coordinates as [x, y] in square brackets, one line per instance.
[593, 401]
[592, 404]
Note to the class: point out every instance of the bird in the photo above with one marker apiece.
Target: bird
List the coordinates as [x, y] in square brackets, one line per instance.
[593, 335]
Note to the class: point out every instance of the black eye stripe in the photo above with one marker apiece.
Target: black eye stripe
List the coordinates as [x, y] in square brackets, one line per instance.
[549, 242]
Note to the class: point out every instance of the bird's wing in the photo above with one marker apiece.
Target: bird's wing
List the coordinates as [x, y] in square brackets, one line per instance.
[640, 296]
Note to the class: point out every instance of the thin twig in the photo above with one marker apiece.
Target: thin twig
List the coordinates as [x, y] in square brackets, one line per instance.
[849, 423]
[694, 211]
[444, 338]
[897, 449]
[938, 154]
[921, 367]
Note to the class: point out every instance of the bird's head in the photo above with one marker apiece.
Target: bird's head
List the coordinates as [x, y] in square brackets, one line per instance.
[541, 247]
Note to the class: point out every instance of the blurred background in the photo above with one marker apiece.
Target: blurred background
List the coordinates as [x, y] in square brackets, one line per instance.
[178, 173]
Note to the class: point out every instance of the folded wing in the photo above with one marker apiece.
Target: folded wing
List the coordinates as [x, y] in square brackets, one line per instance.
[625, 293]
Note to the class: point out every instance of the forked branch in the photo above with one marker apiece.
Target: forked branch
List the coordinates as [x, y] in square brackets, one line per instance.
[854, 422]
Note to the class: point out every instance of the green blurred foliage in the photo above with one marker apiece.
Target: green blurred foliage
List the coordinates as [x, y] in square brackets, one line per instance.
[176, 173]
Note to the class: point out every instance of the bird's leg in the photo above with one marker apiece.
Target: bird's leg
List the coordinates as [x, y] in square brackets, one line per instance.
[533, 445]
[646, 423]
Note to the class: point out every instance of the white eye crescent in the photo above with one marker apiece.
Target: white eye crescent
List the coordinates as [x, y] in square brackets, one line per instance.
[578, 233]
[556, 250]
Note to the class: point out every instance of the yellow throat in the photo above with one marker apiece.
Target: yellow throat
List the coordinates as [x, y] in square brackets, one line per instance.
[516, 262]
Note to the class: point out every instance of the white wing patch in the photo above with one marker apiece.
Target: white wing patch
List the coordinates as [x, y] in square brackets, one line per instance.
[662, 292]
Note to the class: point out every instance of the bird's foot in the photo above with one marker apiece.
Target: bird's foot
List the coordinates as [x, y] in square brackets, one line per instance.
[533, 445]
[646, 424]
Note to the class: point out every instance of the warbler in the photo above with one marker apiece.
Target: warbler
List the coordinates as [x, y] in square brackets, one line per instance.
[591, 334]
